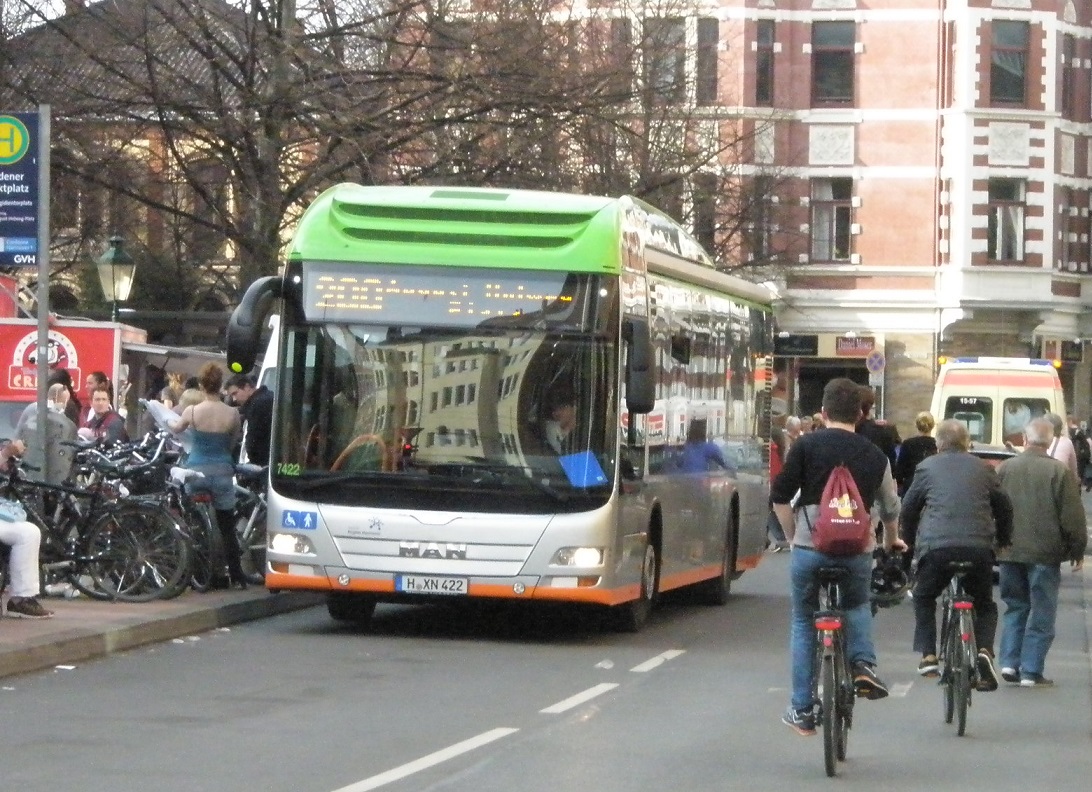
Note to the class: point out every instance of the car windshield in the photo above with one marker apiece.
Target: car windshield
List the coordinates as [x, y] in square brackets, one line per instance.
[509, 412]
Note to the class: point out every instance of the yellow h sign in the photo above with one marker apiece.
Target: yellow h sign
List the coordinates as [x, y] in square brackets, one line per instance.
[14, 140]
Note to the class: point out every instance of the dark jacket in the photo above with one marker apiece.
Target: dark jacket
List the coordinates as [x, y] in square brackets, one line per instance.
[1048, 517]
[809, 463]
[955, 501]
[109, 427]
[258, 414]
[911, 453]
[884, 435]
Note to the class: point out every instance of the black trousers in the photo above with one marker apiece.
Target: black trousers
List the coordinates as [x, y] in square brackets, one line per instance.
[933, 576]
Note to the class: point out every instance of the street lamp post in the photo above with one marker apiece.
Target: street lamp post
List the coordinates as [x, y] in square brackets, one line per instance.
[116, 270]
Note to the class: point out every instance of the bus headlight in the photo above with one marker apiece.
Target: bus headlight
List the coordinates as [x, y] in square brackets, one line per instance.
[578, 556]
[290, 543]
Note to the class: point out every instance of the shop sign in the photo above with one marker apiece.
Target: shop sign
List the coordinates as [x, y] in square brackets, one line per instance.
[797, 345]
[854, 346]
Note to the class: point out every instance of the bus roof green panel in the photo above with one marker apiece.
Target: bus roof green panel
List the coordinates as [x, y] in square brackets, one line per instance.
[472, 227]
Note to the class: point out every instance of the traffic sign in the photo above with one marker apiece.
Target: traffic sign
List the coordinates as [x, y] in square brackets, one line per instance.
[19, 189]
[875, 361]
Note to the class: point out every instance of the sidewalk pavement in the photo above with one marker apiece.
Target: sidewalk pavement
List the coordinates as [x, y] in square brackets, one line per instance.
[83, 628]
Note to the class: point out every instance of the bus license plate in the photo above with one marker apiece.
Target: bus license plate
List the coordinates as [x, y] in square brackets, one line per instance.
[429, 584]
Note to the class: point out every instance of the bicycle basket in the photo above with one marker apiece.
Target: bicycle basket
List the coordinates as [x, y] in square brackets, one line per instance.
[889, 582]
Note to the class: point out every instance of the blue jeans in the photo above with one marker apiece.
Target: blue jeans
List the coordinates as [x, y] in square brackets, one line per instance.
[803, 564]
[1030, 593]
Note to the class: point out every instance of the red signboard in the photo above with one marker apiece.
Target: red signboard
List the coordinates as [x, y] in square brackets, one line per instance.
[9, 296]
[78, 349]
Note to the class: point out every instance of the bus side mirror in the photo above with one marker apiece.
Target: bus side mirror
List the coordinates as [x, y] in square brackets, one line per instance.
[640, 381]
[244, 329]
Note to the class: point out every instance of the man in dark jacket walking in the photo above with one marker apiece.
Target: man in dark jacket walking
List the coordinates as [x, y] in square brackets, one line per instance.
[955, 511]
[256, 408]
[1048, 528]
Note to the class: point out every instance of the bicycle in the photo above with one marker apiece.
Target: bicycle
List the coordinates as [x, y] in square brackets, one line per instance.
[250, 518]
[104, 547]
[958, 652]
[833, 682]
[194, 511]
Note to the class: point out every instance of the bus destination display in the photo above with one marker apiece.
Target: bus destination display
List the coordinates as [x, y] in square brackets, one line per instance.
[371, 293]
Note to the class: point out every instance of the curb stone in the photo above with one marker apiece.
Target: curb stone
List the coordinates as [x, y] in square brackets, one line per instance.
[82, 644]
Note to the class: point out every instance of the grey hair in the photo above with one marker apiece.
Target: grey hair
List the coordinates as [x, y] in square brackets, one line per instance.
[952, 435]
[1055, 421]
[792, 422]
[1039, 433]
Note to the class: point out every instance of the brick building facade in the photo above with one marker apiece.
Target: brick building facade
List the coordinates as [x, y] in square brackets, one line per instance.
[939, 157]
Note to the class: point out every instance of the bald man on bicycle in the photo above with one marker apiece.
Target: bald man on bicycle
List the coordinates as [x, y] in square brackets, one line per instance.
[955, 511]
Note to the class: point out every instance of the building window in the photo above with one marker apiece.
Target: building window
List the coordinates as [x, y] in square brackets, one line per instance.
[665, 59]
[1006, 224]
[832, 63]
[831, 209]
[760, 224]
[705, 61]
[764, 64]
[1008, 62]
[621, 58]
[705, 210]
[1069, 78]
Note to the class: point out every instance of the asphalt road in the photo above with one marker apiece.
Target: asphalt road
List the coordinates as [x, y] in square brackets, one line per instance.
[484, 699]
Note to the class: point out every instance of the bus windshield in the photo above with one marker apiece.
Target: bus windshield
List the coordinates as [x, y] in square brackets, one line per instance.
[487, 406]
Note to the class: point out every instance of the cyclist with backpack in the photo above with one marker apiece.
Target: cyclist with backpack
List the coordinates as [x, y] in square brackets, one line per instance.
[812, 465]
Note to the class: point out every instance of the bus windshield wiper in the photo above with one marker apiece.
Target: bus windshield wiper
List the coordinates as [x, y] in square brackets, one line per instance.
[478, 470]
[323, 480]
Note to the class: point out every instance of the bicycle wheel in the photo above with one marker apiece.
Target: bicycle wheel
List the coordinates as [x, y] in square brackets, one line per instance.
[135, 552]
[832, 721]
[201, 564]
[846, 697]
[962, 683]
[948, 655]
[251, 530]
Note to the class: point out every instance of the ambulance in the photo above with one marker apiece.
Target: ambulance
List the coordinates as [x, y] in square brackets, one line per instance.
[996, 397]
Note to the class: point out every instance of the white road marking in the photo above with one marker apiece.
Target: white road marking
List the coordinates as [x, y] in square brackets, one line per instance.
[900, 689]
[426, 762]
[658, 660]
[579, 698]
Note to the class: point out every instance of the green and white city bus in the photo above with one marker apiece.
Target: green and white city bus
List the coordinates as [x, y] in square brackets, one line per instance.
[509, 394]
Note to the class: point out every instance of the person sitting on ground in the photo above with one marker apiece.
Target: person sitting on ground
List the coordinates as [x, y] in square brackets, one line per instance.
[25, 539]
[955, 511]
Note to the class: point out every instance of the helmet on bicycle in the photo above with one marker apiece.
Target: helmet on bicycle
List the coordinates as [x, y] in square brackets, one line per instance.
[889, 582]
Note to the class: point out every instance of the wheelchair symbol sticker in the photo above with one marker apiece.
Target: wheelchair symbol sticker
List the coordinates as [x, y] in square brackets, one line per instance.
[300, 520]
